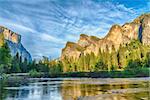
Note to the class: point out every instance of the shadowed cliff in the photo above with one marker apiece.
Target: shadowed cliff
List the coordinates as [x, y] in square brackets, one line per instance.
[14, 42]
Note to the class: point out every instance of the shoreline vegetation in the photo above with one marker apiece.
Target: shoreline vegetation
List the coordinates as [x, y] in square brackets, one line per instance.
[144, 72]
[106, 74]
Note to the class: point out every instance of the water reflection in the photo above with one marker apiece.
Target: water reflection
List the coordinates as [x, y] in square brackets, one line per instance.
[76, 89]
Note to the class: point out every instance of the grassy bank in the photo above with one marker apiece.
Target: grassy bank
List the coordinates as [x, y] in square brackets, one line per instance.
[145, 72]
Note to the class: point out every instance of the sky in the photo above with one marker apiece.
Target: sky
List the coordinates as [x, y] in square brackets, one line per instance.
[46, 25]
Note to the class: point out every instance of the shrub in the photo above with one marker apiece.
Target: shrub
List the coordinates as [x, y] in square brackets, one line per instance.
[34, 73]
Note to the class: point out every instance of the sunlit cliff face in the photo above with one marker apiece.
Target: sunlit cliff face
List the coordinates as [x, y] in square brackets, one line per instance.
[138, 29]
[11, 36]
[146, 30]
[130, 30]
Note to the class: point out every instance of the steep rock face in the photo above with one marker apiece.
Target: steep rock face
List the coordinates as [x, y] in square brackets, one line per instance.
[89, 43]
[14, 42]
[72, 49]
[86, 41]
[143, 22]
[9, 35]
[118, 35]
[146, 30]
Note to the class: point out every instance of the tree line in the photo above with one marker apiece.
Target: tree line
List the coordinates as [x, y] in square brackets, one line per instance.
[128, 57]
[16, 64]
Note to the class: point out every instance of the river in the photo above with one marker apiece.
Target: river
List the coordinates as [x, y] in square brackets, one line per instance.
[76, 89]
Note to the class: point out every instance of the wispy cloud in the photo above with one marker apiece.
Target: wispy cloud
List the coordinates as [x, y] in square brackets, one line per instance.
[50, 38]
[46, 25]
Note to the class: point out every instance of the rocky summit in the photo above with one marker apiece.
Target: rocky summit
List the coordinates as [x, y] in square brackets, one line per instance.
[14, 42]
[138, 29]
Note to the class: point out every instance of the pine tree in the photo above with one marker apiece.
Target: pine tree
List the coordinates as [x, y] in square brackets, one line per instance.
[92, 61]
[5, 58]
[81, 62]
[16, 64]
[114, 61]
[1, 39]
[87, 62]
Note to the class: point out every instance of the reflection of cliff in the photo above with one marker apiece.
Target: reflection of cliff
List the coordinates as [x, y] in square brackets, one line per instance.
[103, 89]
[14, 42]
[73, 90]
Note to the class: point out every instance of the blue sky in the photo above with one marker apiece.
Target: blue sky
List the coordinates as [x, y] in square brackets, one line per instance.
[46, 25]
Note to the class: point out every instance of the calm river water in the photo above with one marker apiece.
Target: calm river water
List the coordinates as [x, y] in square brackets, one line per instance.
[76, 89]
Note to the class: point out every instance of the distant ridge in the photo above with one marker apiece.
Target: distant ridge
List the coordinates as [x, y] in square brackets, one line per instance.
[138, 29]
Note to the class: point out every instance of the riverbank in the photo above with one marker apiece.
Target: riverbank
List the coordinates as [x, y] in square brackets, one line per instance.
[75, 89]
[145, 72]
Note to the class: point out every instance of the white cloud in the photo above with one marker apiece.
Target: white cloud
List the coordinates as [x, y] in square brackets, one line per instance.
[47, 25]
[50, 38]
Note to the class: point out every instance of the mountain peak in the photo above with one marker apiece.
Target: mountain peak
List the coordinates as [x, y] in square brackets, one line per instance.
[10, 35]
[14, 42]
[118, 35]
[139, 19]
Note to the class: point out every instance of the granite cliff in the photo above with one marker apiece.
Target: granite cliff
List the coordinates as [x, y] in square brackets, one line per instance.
[138, 29]
[14, 42]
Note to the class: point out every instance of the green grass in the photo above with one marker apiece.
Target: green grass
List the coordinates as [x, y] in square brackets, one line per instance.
[144, 72]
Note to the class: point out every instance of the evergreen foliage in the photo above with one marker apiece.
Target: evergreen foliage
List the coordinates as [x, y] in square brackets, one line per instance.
[132, 55]
[5, 58]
